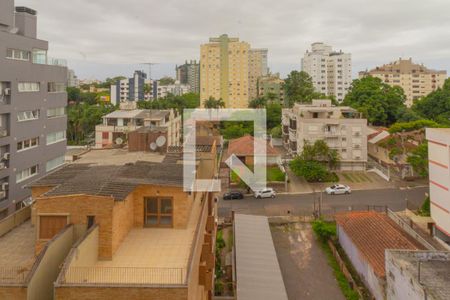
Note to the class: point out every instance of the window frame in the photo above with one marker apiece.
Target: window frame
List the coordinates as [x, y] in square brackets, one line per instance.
[158, 213]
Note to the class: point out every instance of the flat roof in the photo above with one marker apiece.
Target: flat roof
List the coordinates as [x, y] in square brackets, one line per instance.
[434, 270]
[258, 273]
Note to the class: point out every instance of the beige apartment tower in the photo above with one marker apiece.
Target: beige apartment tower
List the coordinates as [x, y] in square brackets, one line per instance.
[416, 80]
[229, 70]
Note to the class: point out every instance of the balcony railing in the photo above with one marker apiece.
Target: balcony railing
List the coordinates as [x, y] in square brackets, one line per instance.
[13, 275]
[124, 275]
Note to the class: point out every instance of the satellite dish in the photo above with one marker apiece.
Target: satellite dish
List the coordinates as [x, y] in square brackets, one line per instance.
[119, 141]
[160, 141]
[153, 146]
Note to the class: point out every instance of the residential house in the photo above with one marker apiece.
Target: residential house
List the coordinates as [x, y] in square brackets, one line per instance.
[147, 238]
[243, 148]
[365, 236]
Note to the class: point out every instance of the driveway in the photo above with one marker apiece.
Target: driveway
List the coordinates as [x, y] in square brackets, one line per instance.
[304, 266]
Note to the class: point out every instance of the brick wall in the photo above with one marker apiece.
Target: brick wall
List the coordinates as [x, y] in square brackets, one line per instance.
[13, 293]
[135, 293]
[122, 221]
[78, 207]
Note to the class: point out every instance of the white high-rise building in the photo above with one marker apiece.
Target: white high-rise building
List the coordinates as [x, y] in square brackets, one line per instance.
[331, 71]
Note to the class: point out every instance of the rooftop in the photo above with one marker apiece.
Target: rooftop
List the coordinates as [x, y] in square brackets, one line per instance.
[153, 114]
[113, 173]
[434, 270]
[245, 146]
[372, 233]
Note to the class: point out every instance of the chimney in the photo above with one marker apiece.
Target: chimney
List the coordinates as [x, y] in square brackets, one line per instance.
[6, 14]
[26, 21]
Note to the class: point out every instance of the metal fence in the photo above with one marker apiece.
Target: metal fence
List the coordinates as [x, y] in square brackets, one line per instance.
[124, 275]
[13, 275]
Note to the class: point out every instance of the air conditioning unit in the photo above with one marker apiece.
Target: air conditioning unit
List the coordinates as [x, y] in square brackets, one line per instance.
[4, 186]
[2, 194]
[2, 165]
[7, 92]
[3, 132]
[5, 156]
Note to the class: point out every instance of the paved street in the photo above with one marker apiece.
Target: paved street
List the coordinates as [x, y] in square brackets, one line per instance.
[303, 204]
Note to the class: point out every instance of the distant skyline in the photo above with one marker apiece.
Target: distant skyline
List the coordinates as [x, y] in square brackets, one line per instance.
[106, 38]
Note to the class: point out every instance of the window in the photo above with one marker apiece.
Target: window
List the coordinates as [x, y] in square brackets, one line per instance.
[90, 221]
[40, 56]
[54, 163]
[56, 112]
[27, 173]
[105, 135]
[28, 115]
[56, 87]
[28, 86]
[158, 212]
[56, 137]
[27, 144]
[18, 54]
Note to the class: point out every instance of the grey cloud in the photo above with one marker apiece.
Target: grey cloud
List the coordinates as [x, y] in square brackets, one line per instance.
[106, 37]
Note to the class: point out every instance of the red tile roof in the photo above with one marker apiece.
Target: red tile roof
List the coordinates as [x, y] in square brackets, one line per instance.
[372, 233]
[243, 146]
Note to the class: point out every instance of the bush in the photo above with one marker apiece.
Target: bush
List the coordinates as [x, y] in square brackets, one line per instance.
[411, 126]
[324, 230]
[312, 171]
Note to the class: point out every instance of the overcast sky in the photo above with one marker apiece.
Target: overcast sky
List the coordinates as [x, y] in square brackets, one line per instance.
[104, 38]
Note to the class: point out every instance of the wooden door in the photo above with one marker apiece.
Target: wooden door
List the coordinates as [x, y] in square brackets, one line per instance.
[49, 226]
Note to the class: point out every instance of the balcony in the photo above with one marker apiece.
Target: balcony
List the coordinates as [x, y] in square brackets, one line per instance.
[292, 136]
[331, 134]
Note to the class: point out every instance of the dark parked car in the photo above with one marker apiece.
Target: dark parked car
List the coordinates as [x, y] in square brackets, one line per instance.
[233, 195]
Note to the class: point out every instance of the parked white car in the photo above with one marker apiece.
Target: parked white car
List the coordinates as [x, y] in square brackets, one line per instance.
[265, 193]
[338, 189]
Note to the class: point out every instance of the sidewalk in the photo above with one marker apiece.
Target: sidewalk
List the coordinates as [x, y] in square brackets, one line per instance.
[297, 184]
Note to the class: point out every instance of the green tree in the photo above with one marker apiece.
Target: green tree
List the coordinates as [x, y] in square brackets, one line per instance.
[73, 94]
[312, 171]
[258, 103]
[273, 118]
[298, 87]
[419, 160]
[380, 103]
[436, 105]
[166, 80]
[213, 103]
[233, 130]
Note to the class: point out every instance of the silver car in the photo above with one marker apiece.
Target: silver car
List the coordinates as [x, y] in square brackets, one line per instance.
[265, 193]
[338, 189]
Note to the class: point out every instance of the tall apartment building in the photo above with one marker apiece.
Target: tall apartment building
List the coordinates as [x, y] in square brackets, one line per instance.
[131, 89]
[257, 67]
[271, 86]
[72, 79]
[189, 74]
[416, 80]
[439, 166]
[224, 71]
[341, 127]
[331, 71]
[33, 103]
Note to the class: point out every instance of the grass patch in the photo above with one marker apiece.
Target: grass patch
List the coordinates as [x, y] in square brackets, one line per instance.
[367, 178]
[346, 176]
[275, 174]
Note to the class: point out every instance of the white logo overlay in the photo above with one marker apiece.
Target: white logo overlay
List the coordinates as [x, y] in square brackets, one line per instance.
[255, 179]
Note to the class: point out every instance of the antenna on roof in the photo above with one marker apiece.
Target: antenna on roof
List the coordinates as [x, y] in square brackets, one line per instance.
[150, 64]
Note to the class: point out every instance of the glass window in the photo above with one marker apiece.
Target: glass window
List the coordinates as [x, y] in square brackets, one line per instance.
[28, 144]
[27, 173]
[28, 86]
[56, 112]
[56, 87]
[55, 137]
[40, 56]
[158, 211]
[28, 115]
[54, 163]
[18, 54]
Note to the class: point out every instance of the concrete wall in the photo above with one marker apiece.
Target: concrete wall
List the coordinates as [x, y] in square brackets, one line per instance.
[359, 262]
[47, 265]
[120, 293]
[14, 220]
[85, 254]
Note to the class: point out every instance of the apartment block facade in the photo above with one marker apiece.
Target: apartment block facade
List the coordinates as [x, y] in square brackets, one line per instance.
[439, 162]
[331, 71]
[257, 67]
[131, 89]
[189, 74]
[416, 80]
[270, 86]
[341, 127]
[161, 91]
[224, 71]
[33, 103]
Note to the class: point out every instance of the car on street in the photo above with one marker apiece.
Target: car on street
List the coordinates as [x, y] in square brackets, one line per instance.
[338, 189]
[265, 193]
[233, 195]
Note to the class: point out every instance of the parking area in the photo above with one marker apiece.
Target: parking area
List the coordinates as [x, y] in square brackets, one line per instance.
[304, 266]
